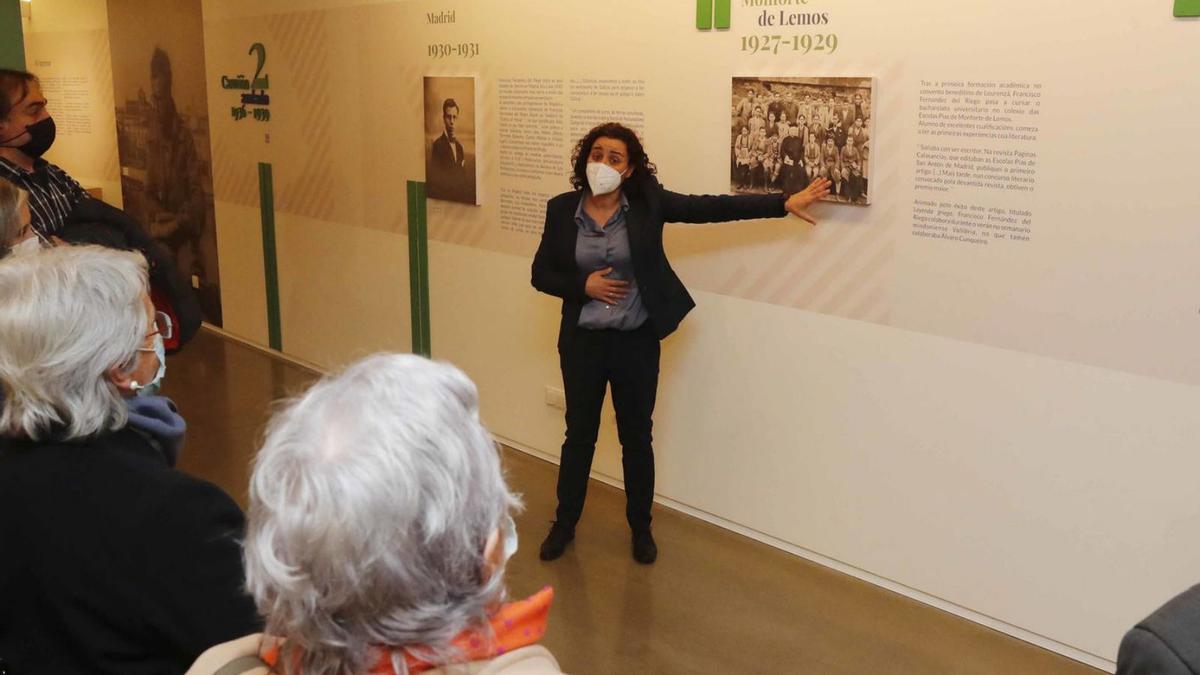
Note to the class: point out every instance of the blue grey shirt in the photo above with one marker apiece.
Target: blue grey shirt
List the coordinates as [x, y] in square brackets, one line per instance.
[597, 248]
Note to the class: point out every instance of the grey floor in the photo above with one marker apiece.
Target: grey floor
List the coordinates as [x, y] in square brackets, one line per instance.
[715, 602]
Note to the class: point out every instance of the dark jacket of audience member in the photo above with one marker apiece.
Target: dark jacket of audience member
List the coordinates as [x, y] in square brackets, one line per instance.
[96, 222]
[1167, 642]
[113, 562]
[110, 561]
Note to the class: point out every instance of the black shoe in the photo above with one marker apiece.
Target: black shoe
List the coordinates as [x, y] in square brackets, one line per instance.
[556, 541]
[645, 551]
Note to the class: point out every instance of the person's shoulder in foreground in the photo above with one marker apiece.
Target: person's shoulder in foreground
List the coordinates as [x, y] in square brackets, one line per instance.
[164, 543]
[242, 657]
[1167, 642]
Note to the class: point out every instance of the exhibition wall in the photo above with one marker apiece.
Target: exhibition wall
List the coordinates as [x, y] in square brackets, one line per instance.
[978, 390]
[66, 45]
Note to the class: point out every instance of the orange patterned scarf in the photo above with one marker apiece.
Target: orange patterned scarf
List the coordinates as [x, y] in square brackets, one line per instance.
[517, 624]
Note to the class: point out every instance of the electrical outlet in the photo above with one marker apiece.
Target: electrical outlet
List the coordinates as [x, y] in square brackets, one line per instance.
[555, 398]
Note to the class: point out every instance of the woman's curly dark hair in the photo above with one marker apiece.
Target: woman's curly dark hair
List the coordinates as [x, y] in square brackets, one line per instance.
[642, 166]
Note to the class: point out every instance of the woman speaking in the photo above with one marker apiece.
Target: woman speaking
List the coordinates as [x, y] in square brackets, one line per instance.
[602, 253]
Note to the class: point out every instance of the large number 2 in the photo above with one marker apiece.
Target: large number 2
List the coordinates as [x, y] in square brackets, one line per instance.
[262, 60]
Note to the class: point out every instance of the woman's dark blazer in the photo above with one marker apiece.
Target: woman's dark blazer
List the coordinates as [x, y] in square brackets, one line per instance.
[650, 206]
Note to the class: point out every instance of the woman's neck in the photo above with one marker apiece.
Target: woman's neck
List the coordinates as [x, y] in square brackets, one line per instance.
[605, 202]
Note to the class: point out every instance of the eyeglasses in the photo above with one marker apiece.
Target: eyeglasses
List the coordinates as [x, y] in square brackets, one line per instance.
[162, 326]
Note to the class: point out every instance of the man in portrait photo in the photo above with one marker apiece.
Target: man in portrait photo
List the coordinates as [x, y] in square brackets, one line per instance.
[447, 167]
[447, 151]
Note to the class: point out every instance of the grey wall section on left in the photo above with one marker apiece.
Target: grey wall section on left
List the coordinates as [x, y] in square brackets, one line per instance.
[12, 41]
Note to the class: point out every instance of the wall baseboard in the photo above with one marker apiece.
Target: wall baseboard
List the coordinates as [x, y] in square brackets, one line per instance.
[265, 350]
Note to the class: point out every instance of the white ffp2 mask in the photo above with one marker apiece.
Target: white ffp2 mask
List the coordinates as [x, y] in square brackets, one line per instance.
[602, 178]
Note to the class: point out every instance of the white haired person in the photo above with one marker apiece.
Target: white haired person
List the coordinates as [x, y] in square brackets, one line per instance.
[16, 232]
[379, 530]
[112, 561]
[153, 415]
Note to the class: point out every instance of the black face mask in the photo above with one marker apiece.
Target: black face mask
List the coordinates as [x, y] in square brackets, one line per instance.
[41, 138]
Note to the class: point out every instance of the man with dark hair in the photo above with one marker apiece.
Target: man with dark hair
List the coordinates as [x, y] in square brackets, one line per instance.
[775, 105]
[447, 170]
[447, 151]
[837, 131]
[26, 133]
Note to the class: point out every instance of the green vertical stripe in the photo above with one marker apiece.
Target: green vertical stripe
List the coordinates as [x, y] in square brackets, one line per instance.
[721, 16]
[266, 200]
[704, 14]
[418, 267]
[12, 40]
[426, 342]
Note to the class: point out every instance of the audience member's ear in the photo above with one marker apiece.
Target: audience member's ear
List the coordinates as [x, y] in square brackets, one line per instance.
[493, 555]
[122, 380]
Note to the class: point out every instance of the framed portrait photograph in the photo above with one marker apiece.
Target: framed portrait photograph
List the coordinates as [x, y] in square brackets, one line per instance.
[450, 127]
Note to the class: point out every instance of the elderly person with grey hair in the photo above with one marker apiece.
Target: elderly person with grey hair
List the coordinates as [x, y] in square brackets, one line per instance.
[15, 228]
[155, 416]
[379, 532]
[113, 562]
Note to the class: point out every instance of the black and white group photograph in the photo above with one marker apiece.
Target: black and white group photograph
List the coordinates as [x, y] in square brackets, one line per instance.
[785, 132]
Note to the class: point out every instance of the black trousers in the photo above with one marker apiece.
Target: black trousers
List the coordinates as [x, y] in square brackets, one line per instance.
[628, 361]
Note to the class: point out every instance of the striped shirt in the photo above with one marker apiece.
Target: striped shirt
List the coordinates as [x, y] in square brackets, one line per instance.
[52, 193]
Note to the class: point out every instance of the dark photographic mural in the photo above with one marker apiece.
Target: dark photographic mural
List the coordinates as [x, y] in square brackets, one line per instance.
[162, 135]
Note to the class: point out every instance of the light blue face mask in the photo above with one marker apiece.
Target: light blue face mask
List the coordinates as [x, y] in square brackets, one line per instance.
[152, 388]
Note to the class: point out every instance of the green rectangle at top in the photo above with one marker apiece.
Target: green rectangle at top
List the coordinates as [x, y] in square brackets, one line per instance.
[704, 14]
[1187, 7]
[12, 40]
[721, 15]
